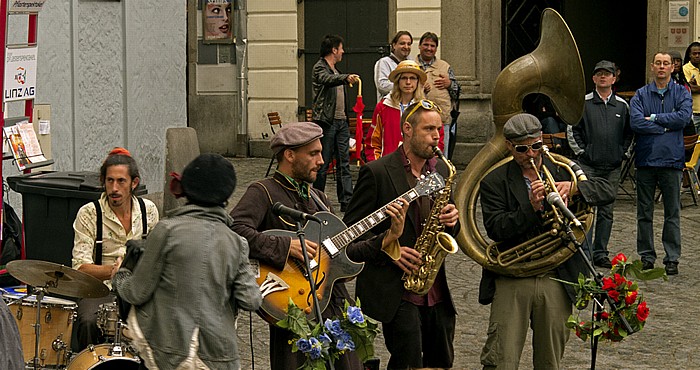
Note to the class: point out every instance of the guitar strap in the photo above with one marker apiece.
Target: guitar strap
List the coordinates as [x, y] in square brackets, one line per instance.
[322, 206]
[98, 225]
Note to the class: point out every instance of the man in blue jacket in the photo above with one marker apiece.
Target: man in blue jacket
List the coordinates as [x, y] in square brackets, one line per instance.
[659, 111]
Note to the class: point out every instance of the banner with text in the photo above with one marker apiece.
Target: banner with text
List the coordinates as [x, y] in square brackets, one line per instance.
[20, 74]
[26, 6]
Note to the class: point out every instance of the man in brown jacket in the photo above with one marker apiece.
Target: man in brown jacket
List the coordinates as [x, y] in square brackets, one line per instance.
[298, 150]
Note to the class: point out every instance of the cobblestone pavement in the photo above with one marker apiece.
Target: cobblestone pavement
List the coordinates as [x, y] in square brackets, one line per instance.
[668, 341]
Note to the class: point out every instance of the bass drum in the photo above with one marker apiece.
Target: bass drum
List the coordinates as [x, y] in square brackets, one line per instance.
[100, 358]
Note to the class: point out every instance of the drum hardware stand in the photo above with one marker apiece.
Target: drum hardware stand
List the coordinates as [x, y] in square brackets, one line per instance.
[58, 345]
[39, 291]
[598, 305]
[117, 347]
[309, 276]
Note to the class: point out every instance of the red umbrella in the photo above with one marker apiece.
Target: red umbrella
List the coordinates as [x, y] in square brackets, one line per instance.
[358, 108]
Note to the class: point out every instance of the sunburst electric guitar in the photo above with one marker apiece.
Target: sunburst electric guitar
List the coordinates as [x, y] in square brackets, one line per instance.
[331, 263]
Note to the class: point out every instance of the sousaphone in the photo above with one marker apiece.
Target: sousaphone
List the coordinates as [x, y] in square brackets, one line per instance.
[553, 69]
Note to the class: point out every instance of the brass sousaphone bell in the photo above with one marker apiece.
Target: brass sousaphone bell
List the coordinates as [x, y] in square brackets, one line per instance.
[553, 69]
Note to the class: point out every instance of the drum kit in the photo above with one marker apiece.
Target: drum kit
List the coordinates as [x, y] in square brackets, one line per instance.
[45, 323]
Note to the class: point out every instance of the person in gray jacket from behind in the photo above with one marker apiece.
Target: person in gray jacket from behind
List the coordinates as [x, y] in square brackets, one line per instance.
[193, 277]
[600, 141]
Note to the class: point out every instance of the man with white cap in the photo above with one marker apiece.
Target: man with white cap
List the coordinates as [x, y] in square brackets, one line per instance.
[513, 204]
[298, 150]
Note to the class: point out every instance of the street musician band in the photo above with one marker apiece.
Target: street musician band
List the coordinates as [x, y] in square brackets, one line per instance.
[397, 279]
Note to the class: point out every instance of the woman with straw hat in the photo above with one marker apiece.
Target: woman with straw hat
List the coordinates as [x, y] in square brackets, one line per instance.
[384, 135]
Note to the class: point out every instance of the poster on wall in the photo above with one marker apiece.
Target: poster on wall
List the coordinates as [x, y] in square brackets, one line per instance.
[217, 21]
[678, 11]
[20, 74]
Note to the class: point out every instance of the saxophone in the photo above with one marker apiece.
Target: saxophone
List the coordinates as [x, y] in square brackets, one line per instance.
[434, 243]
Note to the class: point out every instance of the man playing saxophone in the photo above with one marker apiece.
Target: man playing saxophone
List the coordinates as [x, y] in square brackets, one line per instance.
[514, 205]
[418, 329]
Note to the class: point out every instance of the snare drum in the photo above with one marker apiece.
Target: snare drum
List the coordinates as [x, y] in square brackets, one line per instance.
[100, 357]
[57, 317]
[107, 318]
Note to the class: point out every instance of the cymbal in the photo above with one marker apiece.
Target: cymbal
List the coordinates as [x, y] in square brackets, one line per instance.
[57, 279]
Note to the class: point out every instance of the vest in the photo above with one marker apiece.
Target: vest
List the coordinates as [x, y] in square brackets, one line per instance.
[441, 97]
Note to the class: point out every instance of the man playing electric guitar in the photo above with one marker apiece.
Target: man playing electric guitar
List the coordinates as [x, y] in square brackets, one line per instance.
[298, 150]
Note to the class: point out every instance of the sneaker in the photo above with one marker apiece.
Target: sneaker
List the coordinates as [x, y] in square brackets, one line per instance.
[603, 262]
[671, 268]
[647, 265]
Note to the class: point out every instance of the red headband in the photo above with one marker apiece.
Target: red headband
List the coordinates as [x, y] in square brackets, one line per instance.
[119, 151]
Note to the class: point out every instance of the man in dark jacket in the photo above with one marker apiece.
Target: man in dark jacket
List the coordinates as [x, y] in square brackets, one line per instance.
[513, 204]
[418, 329]
[600, 142]
[329, 112]
[659, 112]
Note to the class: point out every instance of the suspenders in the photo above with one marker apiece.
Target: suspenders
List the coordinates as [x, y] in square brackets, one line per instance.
[98, 231]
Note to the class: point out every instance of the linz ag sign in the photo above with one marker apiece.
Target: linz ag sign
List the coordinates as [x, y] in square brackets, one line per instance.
[20, 74]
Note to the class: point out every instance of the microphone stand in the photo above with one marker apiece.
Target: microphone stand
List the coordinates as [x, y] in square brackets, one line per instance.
[312, 284]
[598, 278]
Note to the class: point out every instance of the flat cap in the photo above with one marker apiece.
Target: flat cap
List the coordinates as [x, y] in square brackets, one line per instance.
[605, 65]
[522, 126]
[295, 134]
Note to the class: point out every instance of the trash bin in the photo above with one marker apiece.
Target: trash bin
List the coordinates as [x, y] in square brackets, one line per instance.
[50, 201]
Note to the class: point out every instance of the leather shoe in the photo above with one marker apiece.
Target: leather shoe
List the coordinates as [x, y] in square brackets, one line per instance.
[647, 265]
[671, 268]
[603, 262]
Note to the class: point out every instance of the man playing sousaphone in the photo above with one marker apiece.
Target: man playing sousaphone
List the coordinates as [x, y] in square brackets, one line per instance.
[514, 205]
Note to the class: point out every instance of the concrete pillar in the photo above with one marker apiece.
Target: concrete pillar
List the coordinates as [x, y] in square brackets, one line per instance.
[181, 147]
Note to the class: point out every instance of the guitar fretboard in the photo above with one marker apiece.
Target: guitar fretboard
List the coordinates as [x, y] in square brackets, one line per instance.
[342, 239]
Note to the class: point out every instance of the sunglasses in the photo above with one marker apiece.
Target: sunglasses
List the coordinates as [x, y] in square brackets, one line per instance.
[523, 148]
[426, 104]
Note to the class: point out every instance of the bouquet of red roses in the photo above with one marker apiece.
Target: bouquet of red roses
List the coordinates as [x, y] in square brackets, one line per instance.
[606, 322]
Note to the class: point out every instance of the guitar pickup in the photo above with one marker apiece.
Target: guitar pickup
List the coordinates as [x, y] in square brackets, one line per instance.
[272, 283]
[330, 247]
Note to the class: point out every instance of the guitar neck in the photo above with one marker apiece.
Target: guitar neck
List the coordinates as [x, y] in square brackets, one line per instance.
[342, 239]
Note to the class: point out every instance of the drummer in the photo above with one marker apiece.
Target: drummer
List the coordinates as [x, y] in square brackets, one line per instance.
[122, 219]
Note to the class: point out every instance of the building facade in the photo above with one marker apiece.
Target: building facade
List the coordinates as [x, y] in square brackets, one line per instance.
[119, 73]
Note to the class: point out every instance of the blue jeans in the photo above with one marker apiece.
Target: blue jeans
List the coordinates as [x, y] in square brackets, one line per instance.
[336, 144]
[669, 181]
[448, 132]
[604, 219]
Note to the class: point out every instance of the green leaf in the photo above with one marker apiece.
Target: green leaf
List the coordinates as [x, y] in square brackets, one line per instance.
[295, 321]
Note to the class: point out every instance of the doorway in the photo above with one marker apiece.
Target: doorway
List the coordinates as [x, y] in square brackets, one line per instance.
[363, 24]
[611, 30]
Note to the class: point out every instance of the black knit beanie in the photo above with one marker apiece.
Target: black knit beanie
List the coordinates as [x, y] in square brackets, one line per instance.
[208, 180]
